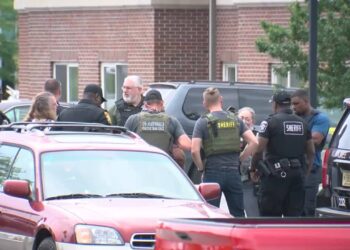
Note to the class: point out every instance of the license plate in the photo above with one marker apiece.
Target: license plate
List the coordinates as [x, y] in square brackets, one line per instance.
[346, 178]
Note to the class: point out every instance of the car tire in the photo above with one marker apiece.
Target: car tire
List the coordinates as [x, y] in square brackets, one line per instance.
[47, 244]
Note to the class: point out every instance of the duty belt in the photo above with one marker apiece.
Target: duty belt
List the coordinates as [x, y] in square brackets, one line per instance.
[280, 167]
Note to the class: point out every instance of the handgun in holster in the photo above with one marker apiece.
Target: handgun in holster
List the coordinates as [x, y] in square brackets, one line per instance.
[263, 168]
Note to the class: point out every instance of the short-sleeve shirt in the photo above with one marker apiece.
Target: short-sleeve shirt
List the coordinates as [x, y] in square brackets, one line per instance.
[175, 128]
[225, 160]
[318, 122]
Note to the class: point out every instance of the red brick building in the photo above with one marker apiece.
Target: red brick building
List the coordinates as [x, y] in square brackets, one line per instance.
[101, 41]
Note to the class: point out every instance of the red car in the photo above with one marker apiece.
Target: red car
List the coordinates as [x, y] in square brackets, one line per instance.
[254, 234]
[104, 189]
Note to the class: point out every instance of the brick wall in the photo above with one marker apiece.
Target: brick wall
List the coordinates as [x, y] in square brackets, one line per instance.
[157, 44]
[84, 37]
[181, 44]
[237, 30]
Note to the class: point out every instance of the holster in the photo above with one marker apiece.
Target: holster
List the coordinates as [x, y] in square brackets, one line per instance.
[263, 169]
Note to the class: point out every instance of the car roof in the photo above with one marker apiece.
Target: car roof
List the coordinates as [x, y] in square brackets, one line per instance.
[107, 138]
[5, 105]
[193, 83]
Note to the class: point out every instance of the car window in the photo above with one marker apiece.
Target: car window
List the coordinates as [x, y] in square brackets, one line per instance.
[23, 167]
[7, 155]
[17, 114]
[258, 100]
[193, 104]
[341, 139]
[113, 172]
[167, 94]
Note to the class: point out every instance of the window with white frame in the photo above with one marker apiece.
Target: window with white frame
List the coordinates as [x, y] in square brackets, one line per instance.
[67, 74]
[229, 72]
[112, 78]
[290, 80]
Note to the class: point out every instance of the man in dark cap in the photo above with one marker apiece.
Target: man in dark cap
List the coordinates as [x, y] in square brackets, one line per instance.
[88, 109]
[156, 127]
[284, 138]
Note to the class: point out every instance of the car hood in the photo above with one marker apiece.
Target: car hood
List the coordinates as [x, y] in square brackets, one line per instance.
[131, 216]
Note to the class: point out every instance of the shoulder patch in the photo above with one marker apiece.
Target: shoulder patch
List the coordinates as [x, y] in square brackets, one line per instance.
[263, 126]
[108, 118]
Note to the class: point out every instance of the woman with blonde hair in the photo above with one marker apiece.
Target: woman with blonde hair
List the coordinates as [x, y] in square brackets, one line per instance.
[43, 108]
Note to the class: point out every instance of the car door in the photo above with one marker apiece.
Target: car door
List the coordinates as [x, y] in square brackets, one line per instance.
[18, 216]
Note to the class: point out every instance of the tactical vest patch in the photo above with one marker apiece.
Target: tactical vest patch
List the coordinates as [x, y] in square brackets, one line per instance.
[293, 128]
[153, 126]
[226, 124]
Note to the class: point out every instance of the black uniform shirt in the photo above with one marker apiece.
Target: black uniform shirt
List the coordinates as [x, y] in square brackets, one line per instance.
[84, 111]
[287, 134]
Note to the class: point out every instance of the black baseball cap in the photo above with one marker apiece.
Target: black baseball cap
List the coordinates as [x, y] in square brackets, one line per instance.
[96, 89]
[153, 95]
[281, 97]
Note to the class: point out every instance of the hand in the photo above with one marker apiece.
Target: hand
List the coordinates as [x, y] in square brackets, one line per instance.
[254, 176]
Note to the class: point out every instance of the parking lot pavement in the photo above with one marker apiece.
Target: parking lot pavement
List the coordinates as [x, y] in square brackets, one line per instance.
[223, 203]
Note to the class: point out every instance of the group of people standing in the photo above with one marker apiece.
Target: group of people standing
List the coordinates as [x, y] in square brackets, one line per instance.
[281, 157]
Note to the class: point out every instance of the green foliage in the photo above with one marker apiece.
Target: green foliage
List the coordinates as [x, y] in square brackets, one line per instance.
[289, 45]
[8, 43]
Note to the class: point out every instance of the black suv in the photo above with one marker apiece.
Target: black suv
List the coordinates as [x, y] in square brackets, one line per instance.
[184, 100]
[336, 169]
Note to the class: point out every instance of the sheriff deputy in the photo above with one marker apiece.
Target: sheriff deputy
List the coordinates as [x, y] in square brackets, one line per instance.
[285, 138]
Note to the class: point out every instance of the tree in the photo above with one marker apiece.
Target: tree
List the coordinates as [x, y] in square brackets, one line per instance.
[8, 43]
[289, 45]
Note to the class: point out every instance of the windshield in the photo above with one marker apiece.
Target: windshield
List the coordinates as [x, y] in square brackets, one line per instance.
[109, 173]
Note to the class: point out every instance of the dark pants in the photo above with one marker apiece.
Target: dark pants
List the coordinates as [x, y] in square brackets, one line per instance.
[312, 183]
[282, 196]
[231, 185]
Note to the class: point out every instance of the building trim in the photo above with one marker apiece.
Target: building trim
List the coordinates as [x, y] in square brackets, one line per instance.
[54, 5]
[33, 5]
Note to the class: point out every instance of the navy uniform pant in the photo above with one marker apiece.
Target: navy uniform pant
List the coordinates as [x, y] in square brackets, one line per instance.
[231, 185]
[282, 196]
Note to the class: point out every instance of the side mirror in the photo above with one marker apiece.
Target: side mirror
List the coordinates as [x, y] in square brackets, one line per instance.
[209, 191]
[17, 188]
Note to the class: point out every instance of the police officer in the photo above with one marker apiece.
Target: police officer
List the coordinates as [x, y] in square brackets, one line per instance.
[131, 102]
[88, 109]
[285, 138]
[219, 132]
[156, 127]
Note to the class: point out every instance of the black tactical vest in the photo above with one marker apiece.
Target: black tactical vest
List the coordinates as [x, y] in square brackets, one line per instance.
[288, 138]
[154, 129]
[223, 135]
[125, 110]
